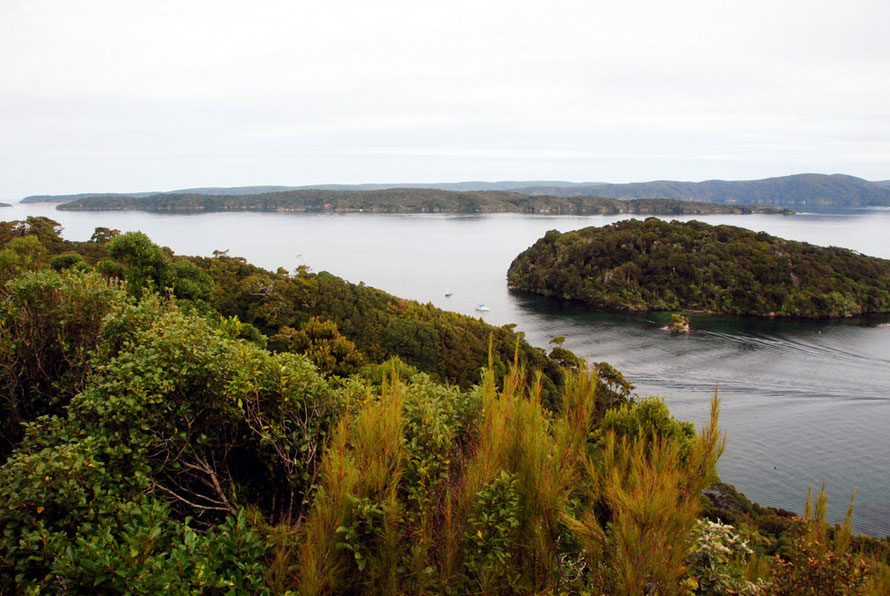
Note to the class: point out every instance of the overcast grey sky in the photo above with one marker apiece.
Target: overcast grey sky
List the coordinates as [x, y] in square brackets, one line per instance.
[128, 95]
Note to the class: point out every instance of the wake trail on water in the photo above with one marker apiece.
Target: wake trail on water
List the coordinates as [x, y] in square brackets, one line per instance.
[790, 345]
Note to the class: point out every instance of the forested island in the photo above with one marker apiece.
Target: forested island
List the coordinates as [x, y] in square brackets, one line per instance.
[404, 200]
[193, 425]
[659, 265]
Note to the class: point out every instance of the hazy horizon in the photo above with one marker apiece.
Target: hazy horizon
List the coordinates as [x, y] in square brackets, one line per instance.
[418, 183]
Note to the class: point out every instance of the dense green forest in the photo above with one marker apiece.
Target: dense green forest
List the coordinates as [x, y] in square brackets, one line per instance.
[658, 265]
[800, 191]
[403, 200]
[177, 425]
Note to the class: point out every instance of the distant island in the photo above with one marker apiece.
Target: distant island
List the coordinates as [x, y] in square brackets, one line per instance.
[693, 266]
[800, 191]
[5, 205]
[212, 191]
[405, 200]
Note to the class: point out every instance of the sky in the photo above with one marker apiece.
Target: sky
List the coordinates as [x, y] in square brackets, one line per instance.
[132, 95]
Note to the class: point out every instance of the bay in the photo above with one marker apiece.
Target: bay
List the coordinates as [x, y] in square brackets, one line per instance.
[802, 401]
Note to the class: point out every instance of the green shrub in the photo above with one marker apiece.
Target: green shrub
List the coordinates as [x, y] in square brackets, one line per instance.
[51, 324]
[68, 261]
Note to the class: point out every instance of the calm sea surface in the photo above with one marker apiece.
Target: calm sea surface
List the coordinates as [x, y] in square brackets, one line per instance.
[802, 402]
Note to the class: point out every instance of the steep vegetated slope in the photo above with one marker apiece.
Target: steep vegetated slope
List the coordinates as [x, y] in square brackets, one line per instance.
[658, 265]
[451, 347]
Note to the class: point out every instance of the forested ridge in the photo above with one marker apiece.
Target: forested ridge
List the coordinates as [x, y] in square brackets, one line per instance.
[800, 191]
[658, 265]
[403, 200]
[200, 425]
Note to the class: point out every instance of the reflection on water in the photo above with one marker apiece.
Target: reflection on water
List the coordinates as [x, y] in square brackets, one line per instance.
[802, 401]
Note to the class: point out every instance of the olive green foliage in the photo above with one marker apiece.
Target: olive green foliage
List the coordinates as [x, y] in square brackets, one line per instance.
[33, 242]
[146, 263]
[448, 346]
[102, 235]
[20, 254]
[656, 265]
[44, 229]
[322, 342]
[648, 418]
[189, 282]
[26, 245]
[67, 261]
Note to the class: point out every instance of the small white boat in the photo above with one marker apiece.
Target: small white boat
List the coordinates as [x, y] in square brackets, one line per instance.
[448, 293]
[482, 308]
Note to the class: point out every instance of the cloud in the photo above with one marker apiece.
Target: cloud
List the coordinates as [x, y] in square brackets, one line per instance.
[568, 88]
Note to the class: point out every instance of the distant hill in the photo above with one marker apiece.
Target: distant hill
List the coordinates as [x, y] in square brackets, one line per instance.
[252, 190]
[67, 198]
[5, 205]
[801, 191]
[473, 185]
[211, 191]
[882, 182]
[403, 200]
